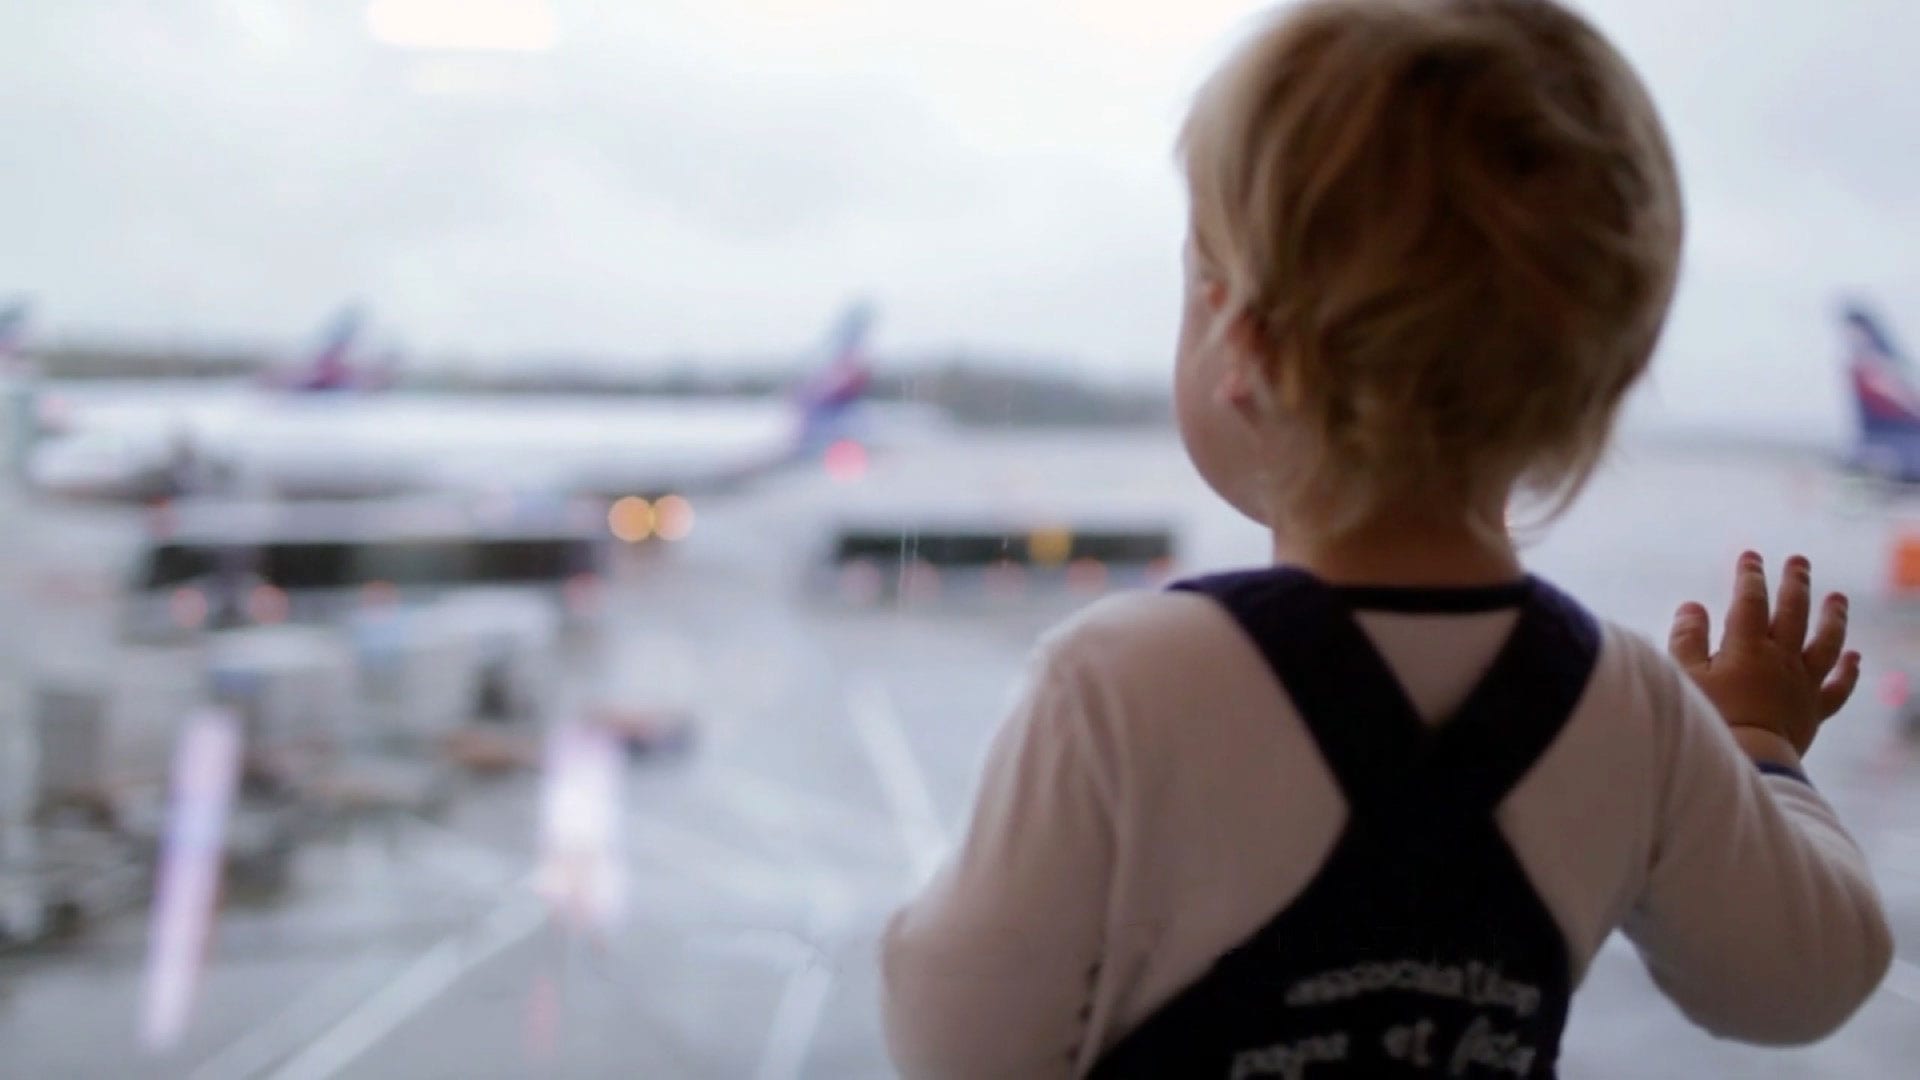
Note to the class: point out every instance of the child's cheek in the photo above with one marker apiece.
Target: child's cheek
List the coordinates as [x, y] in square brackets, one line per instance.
[1221, 450]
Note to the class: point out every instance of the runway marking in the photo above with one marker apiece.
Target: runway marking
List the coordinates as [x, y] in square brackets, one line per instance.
[722, 864]
[775, 812]
[423, 980]
[796, 1021]
[901, 779]
[773, 805]
[263, 1044]
[790, 822]
[775, 948]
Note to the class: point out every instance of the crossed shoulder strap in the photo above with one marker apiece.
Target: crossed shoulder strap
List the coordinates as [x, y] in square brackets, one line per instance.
[1380, 752]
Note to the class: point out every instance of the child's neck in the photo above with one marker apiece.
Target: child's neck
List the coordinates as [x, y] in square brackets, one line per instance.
[1412, 550]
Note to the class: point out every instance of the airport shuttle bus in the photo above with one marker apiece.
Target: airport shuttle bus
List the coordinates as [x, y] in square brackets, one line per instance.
[215, 566]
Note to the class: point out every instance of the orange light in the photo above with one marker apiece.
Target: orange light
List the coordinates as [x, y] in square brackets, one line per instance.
[188, 607]
[1050, 547]
[673, 518]
[631, 519]
[1905, 572]
[268, 605]
[1087, 575]
[846, 461]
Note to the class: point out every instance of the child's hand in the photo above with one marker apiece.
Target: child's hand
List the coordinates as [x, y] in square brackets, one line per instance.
[1767, 677]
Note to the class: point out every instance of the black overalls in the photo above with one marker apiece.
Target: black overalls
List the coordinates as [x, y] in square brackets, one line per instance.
[1421, 948]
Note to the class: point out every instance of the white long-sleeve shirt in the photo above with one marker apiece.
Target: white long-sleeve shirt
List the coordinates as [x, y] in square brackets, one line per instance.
[1154, 799]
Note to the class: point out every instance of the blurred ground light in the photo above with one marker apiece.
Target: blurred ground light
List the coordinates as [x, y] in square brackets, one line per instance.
[631, 519]
[1087, 576]
[846, 461]
[861, 582]
[1895, 689]
[188, 607]
[1006, 579]
[673, 518]
[268, 605]
[1050, 547]
[920, 581]
[581, 594]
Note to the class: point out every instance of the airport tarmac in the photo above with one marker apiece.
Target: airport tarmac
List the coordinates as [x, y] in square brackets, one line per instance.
[838, 750]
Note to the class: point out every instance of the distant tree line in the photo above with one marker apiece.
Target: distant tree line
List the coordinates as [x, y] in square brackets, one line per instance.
[1002, 394]
[973, 390]
[102, 361]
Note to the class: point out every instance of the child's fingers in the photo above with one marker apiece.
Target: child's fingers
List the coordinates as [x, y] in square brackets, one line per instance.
[1828, 638]
[1687, 643]
[1791, 610]
[1834, 695]
[1747, 617]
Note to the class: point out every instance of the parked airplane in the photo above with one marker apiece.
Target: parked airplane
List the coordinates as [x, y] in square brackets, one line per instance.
[161, 412]
[299, 443]
[331, 366]
[1887, 402]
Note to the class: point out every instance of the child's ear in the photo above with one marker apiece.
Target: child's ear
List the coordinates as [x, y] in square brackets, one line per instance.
[1243, 381]
[1214, 292]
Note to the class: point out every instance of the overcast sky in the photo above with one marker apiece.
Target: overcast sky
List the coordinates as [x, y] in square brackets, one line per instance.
[714, 176]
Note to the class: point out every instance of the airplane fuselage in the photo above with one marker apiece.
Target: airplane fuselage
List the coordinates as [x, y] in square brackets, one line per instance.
[299, 446]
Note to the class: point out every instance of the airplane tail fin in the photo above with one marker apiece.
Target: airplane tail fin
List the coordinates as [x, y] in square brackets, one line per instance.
[330, 364]
[1884, 391]
[831, 391]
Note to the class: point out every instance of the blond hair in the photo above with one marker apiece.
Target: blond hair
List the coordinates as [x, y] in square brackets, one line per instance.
[1455, 226]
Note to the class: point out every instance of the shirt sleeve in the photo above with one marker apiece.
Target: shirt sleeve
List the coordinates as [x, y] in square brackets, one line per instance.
[1759, 918]
[989, 972]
